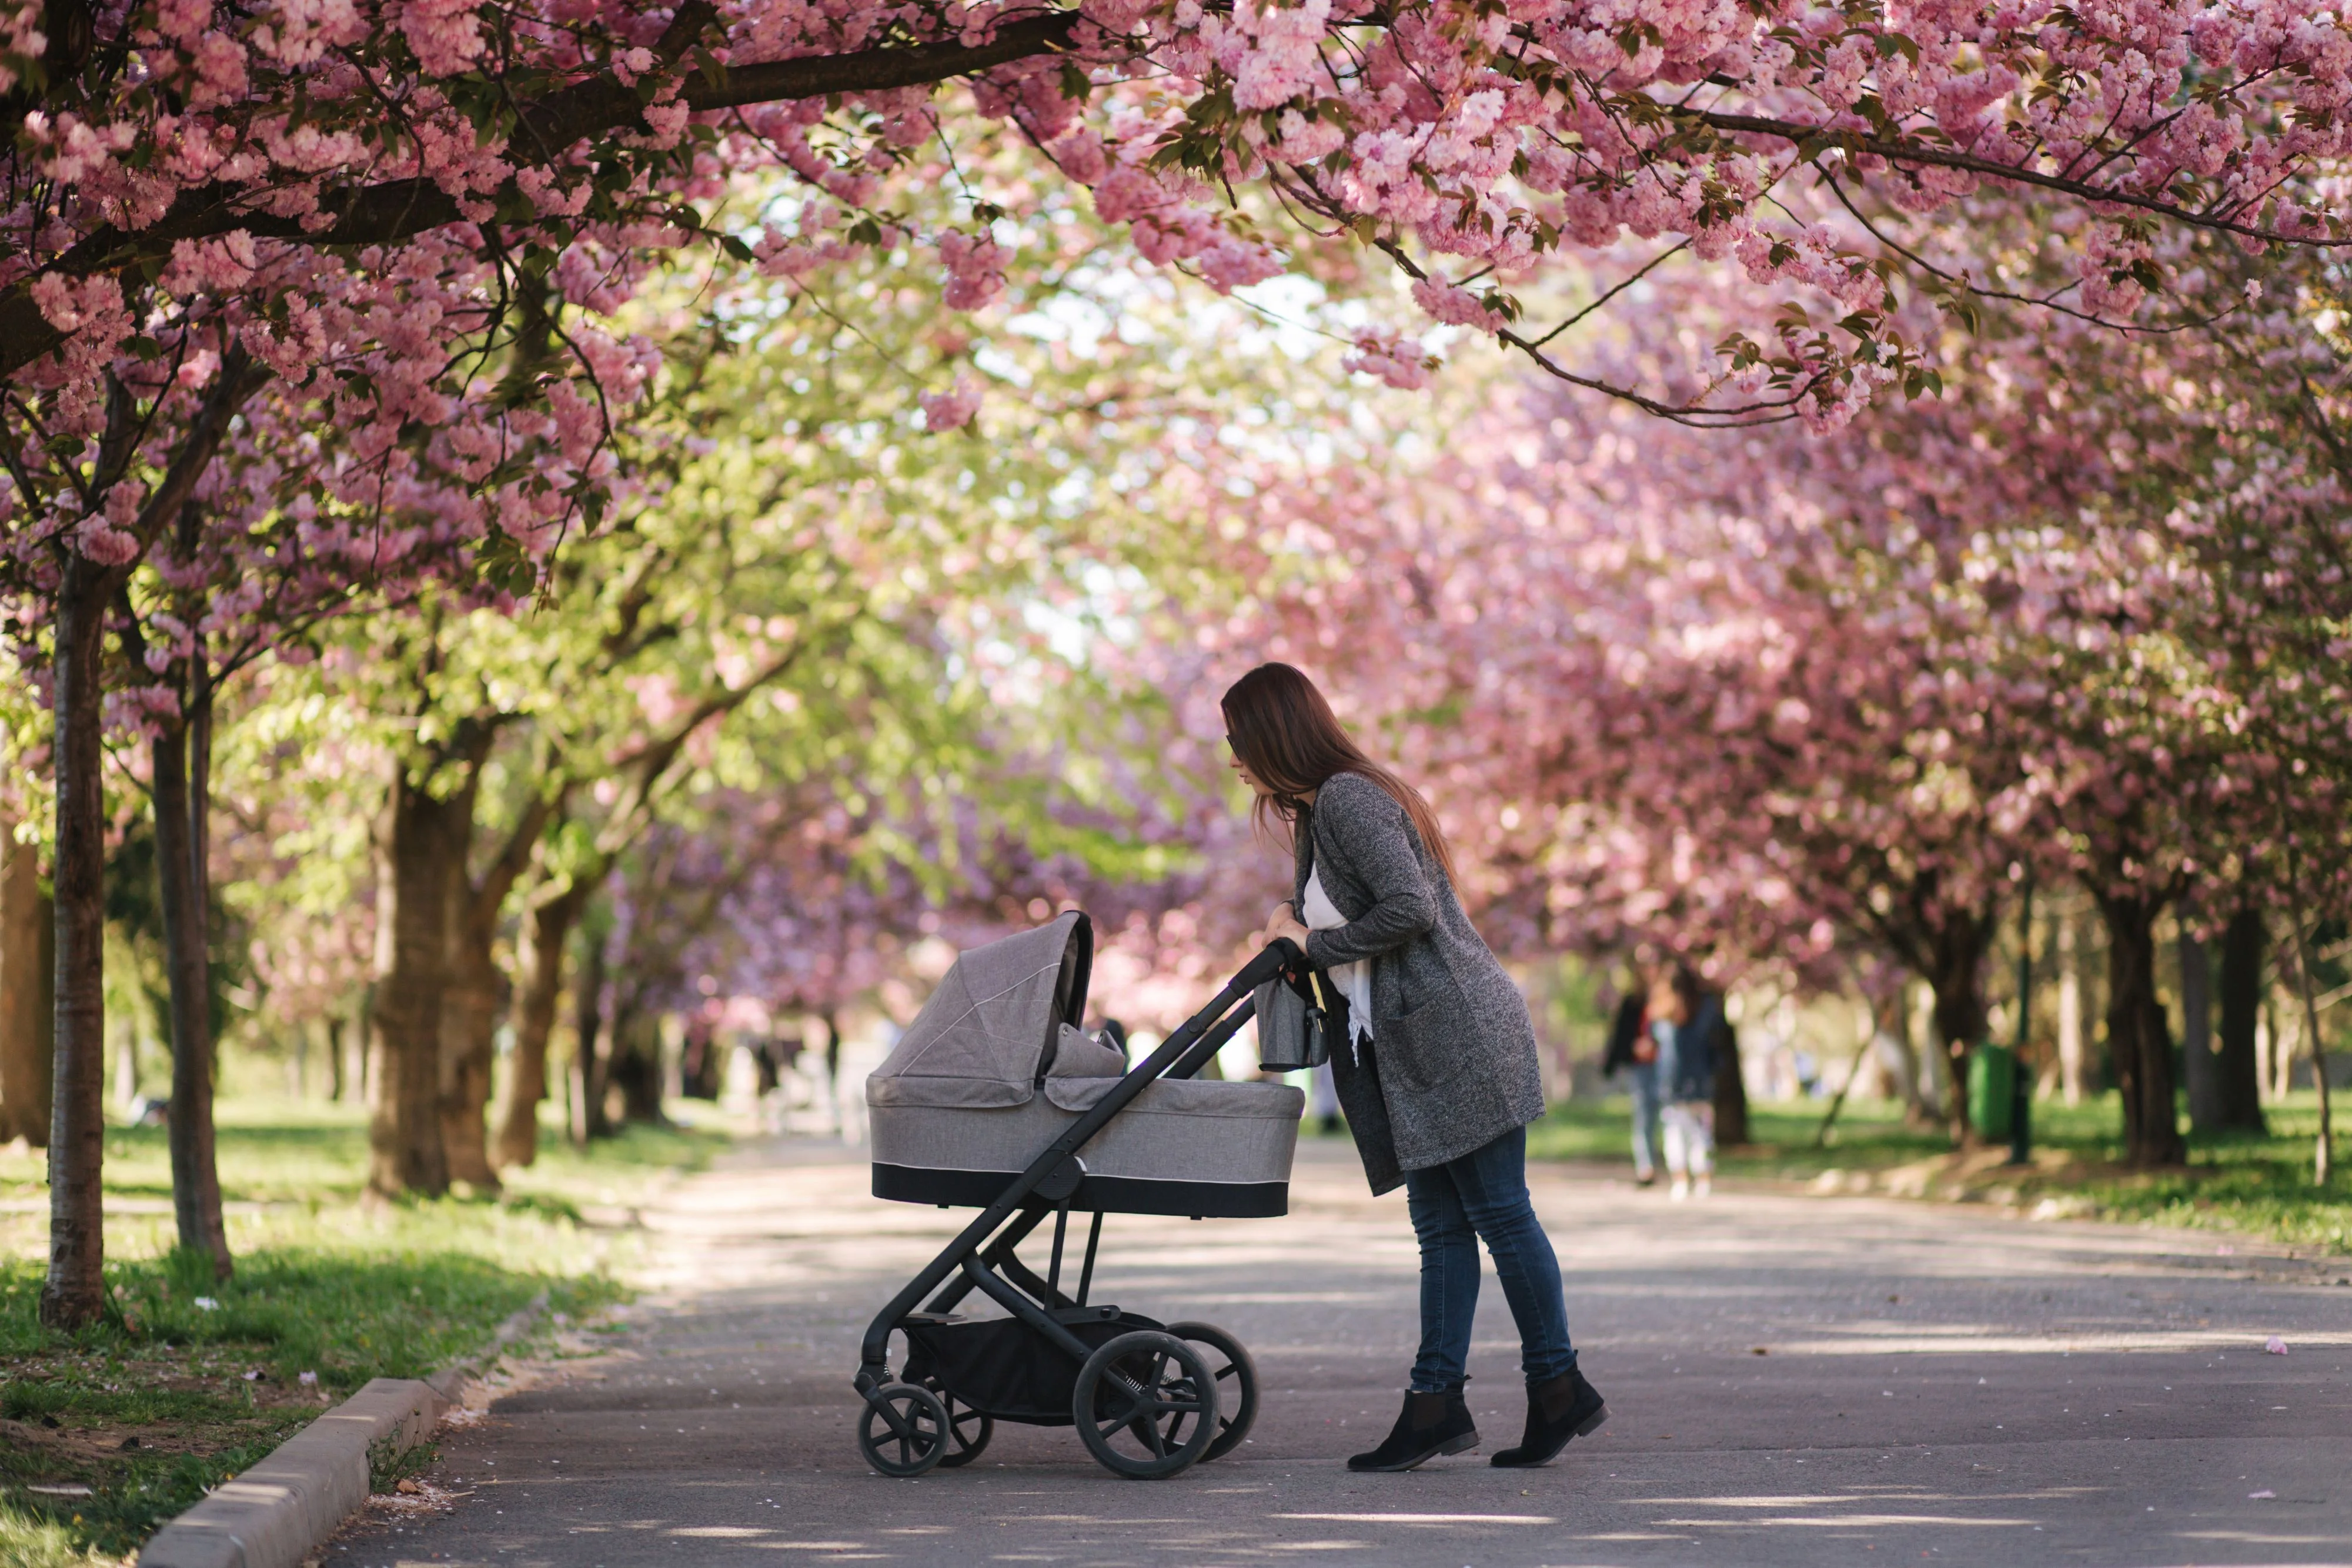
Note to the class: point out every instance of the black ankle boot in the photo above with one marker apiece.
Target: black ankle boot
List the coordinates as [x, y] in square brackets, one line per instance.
[1428, 1425]
[1565, 1407]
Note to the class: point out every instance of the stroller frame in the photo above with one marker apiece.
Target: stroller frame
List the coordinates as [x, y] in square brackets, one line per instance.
[983, 1257]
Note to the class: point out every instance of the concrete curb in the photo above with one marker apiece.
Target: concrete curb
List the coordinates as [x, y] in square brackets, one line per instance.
[279, 1510]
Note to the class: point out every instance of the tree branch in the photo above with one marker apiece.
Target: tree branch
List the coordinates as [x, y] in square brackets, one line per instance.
[1991, 168]
[395, 210]
[238, 377]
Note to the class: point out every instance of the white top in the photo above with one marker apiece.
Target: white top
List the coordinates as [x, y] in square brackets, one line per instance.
[1354, 979]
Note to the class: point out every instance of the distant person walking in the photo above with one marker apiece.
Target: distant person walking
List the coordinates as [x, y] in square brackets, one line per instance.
[1687, 1023]
[1439, 1075]
[1633, 1051]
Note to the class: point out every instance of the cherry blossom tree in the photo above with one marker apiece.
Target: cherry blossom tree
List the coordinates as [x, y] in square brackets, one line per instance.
[280, 536]
[797, 559]
[1662, 702]
[299, 191]
[101, 471]
[2208, 529]
[1758, 696]
[1455, 137]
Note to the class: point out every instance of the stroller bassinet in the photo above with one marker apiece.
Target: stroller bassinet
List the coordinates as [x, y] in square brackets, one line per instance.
[994, 1069]
[995, 1098]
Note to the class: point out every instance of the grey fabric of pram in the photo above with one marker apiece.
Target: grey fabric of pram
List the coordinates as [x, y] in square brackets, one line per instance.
[987, 1036]
[992, 1071]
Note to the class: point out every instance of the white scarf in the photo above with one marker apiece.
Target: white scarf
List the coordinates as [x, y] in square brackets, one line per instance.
[1354, 979]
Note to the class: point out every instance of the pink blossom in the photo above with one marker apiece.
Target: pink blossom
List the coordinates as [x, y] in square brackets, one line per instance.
[1398, 362]
[975, 269]
[198, 369]
[222, 266]
[1279, 57]
[1305, 141]
[1455, 307]
[1080, 155]
[184, 21]
[952, 409]
[445, 34]
[98, 538]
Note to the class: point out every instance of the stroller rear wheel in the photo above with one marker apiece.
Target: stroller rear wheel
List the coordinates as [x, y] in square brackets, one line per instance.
[1236, 1378]
[1145, 1404]
[904, 1430]
[969, 1430]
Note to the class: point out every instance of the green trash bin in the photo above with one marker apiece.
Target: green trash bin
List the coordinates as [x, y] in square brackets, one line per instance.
[1992, 1081]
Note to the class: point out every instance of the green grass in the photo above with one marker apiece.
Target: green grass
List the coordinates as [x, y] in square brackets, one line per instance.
[189, 1381]
[2255, 1185]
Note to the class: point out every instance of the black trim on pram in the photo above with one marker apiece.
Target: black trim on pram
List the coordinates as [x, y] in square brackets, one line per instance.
[1121, 1194]
[983, 1256]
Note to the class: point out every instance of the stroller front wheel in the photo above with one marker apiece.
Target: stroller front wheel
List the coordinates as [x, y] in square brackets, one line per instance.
[1145, 1404]
[904, 1430]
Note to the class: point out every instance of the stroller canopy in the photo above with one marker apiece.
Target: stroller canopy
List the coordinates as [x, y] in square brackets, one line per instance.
[987, 1035]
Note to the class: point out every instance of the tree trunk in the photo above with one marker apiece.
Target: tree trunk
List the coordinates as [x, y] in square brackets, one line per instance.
[469, 1021]
[832, 1068]
[477, 989]
[28, 1001]
[546, 927]
[1922, 1054]
[1731, 1091]
[418, 878]
[181, 802]
[2069, 1012]
[367, 1061]
[2307, 985]
[2278, 1063]
[1958, 986]
[2136, 1038]
[2201, 1069]
[589, 1058]
[75, 1291]
[2237, 1063]
[636, 1068]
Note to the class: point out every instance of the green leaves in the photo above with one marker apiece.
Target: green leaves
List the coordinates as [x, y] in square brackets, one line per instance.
[501, 564]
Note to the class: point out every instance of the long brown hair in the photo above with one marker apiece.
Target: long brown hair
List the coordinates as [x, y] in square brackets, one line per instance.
[1286, 735]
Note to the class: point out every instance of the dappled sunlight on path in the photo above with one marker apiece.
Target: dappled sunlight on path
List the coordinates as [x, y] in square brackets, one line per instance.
[1792, 1380]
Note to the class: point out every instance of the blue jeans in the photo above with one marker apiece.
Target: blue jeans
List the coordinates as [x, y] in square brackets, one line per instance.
[1484, 1194]
[1644, 1077]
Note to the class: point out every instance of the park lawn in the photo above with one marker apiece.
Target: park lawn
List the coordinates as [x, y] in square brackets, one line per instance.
[190, 1380]
[2254, 1185]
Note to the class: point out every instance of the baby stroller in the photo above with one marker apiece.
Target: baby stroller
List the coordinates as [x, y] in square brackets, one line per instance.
[996, 1100]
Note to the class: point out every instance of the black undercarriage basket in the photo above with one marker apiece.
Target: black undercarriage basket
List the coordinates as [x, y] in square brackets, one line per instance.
[1005, 1368]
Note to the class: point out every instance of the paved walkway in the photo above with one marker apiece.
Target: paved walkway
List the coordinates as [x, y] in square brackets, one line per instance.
[1792, 1380]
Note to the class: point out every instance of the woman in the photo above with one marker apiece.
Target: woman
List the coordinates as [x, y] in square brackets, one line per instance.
[1439, 1075]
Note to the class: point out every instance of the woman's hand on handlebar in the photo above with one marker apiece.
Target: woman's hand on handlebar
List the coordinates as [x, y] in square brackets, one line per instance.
[1282, 923]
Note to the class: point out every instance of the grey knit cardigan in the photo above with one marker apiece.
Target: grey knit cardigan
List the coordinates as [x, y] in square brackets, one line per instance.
[1451, 1065]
